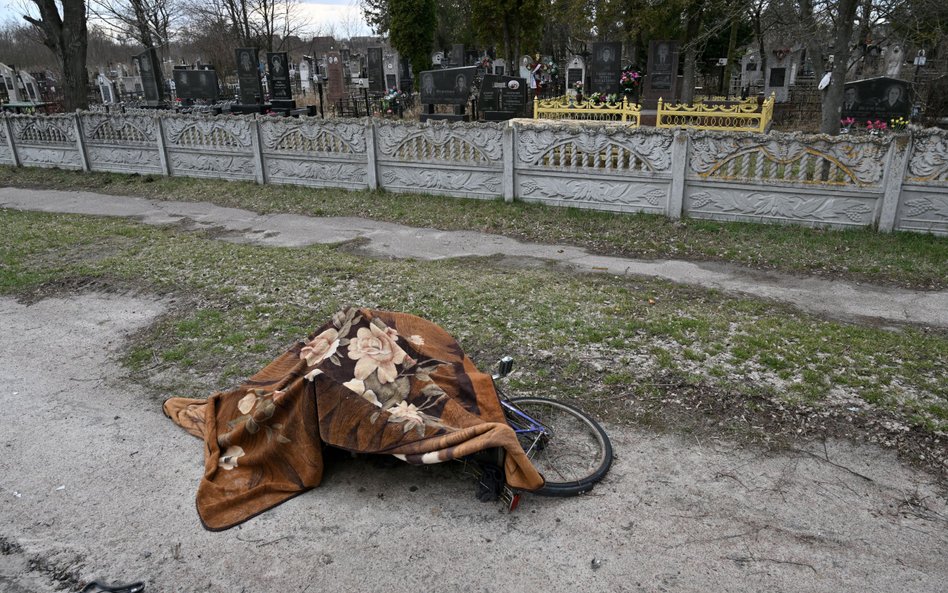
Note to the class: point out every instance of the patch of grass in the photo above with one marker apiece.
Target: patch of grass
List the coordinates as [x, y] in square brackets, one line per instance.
[586, 337]
[906, 259]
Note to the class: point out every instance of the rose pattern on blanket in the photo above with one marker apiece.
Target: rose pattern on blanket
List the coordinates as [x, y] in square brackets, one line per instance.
[256, 409]
[383, 370]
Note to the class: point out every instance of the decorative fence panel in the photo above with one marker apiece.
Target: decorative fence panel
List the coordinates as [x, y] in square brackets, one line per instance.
[742, 116]
[219, 147]
[6, 153]
[567, 107]
[785, 178]
[121, 143]
[897, 182]
[46, 140]
[924, 203]
[602, 167]
[314, 152]
[440, 158]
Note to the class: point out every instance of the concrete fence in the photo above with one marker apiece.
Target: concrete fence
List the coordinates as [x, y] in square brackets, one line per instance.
[895, 182]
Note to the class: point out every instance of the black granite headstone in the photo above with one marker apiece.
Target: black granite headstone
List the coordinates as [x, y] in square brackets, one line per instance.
[150, 69]
[502, 97]
[778, 77]
[279, 69]
[248, 76]
[451, 86]
[605, 67]
[375, 70]
[195, 84]
[662, 66]
[457, 54]
[877, 99]
[404, 73]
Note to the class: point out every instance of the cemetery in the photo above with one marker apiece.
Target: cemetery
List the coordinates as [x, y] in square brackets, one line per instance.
[606, 135]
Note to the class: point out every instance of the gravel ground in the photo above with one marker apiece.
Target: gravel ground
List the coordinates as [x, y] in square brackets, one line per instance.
[96, 482]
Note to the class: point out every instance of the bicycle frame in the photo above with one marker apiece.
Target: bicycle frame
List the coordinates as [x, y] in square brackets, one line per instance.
[531, 425]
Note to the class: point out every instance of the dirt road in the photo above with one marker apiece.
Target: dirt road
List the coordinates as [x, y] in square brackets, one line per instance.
[96, 482]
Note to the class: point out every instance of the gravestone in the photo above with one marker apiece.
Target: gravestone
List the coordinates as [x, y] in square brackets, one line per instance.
[336, 81]
[525, 72]
[279, 70]
[10, 82]
[152, 81]
[500, 67]
[894, 56]
[502, 97]
[404, 74]
[195, 84]
[450, 86]
[605, 67]
[880, 98]
[248, 76]
[662, 79]
[304, 75]
[107, 90]
[575, 71]
[457, 55]
[374, 70]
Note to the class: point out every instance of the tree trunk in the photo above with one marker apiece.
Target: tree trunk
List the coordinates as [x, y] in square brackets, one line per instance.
[813, 49]
[66, 35]
[833, 95]
[731, 50]
[693, 27]
[508, 49]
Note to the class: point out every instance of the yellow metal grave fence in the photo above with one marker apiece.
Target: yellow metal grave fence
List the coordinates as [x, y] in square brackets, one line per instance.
[567, 107]
[741, 117]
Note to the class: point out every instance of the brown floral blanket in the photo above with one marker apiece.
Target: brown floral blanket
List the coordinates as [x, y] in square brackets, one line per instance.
[367, 381]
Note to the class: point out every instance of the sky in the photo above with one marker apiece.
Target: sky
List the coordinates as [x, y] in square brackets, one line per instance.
[343, 17]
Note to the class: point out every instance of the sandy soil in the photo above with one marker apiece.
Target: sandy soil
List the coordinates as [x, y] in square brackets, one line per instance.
[96, 482]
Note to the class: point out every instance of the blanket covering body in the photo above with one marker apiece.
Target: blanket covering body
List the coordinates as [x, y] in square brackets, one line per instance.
[367, 381]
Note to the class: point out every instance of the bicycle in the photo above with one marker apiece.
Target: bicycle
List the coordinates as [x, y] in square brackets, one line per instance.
[569, 448]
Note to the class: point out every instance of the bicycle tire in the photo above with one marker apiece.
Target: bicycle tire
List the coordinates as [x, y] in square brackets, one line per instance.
[572, 465]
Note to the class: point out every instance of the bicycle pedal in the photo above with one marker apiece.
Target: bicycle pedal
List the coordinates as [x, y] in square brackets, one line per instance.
[510, 499]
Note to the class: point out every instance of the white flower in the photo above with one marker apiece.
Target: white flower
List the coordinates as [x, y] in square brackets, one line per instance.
[228, 460]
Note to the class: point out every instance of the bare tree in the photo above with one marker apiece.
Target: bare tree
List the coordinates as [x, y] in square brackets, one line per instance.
[63, 27]
[146, 21]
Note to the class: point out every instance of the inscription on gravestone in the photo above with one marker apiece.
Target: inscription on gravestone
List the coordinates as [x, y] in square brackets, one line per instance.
[150, 69]
[605, 67]
[502, 97]
[248, 76]
[375, 70]
[278, 66]
[876, 98]
[450, 86]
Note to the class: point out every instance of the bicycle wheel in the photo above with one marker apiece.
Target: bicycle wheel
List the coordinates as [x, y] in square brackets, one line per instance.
[574, 452]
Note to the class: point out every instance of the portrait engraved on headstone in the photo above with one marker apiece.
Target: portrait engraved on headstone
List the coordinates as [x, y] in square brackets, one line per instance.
[451, 86]
[280, 87]
[248, 76]
[605, 69]
[880, 98]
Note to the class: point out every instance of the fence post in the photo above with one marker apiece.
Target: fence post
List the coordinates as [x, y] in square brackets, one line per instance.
[371, 164]
[260, 174]
[8, 128]
[162, 148]
[81, 143]
[895, 163]
[509, 157]
[679, 163]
